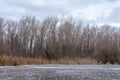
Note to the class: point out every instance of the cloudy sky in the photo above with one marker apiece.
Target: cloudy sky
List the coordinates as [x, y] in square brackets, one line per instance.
[94, 11]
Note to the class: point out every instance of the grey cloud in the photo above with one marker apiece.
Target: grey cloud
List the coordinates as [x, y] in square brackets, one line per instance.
[11, 8]
[115, 15]
[20, 4]
[113, 0]
[88, 2]
[30, 7]
[17, 3]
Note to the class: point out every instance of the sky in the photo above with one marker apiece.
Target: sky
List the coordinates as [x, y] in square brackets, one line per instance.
[89, 11]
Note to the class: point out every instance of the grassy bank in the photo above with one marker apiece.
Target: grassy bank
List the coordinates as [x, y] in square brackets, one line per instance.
[13, 61]
[10, 60]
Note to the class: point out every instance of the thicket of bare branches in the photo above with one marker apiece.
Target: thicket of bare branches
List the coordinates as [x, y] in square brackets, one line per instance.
[53, 38]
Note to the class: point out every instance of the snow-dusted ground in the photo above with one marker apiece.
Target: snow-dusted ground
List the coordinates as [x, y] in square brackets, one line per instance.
[60, 72]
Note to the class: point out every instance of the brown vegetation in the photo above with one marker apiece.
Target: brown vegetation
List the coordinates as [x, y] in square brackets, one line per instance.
[14, 61]
[53, 39]
[10, 60]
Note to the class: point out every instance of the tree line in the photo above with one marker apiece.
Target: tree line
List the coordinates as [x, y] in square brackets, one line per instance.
[54, 38]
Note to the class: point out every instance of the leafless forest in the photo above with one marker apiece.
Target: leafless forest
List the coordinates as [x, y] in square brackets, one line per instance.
[54, 38]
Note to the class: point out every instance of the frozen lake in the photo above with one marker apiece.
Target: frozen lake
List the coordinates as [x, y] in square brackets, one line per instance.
[60, 72]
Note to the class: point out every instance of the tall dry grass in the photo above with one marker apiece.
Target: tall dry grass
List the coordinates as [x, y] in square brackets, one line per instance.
[10, 60]
[14, 61]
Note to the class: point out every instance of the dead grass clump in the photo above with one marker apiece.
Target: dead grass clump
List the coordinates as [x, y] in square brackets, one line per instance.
[75, 61]
[13, 61]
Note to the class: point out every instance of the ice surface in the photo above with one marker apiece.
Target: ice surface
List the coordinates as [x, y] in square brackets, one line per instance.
[60, 72]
